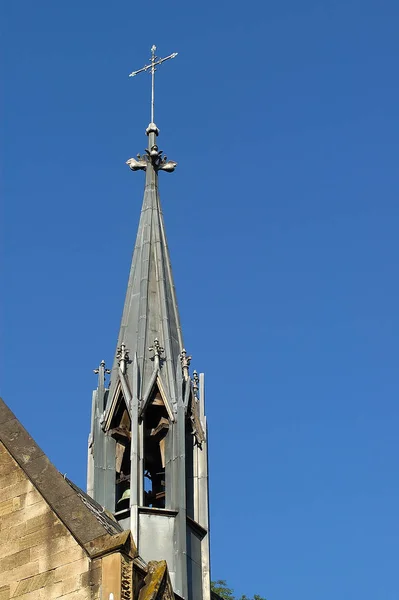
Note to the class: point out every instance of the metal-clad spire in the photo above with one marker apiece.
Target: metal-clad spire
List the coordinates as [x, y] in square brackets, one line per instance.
[150, 314]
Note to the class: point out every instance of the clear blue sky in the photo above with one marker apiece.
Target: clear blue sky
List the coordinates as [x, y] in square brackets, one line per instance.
[282, 221]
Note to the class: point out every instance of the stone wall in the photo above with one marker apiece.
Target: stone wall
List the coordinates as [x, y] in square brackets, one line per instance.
[39, 557]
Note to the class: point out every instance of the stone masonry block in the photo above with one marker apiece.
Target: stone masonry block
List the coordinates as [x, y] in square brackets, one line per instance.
[45, 520]
[52, 591]
[74, 568]
[65, 557]
[14, 560]
[14, 477]
[40, 536]
[78, 595]
[17, 489]
[5, 592]
[12, 577]
[53, 546]
[72, 584]
[9, 540]
[33, 497]
[10, 506]
[35, 595]
[34, 583]
[23, 515]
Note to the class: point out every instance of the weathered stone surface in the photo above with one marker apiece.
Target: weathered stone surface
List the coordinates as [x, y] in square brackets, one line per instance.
[33, 583]
[5, 592]
[107, 543]
[39, 557]
[53, 543]
[157, 582]
[5, 413]
[13, 576]
[54, 546]
[34, 465]
[14, 560]
[13, 434]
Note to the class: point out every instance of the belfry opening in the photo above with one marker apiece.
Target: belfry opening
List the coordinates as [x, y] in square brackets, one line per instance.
[155, 432]
[120, 431]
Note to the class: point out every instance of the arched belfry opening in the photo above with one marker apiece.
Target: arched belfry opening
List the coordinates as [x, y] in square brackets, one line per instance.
[156, 426]
[121, 431]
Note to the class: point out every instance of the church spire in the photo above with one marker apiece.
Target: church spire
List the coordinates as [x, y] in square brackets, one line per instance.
[150, 313]
[148, 444]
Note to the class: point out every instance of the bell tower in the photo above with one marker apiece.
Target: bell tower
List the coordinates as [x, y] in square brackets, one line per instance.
[147, 456]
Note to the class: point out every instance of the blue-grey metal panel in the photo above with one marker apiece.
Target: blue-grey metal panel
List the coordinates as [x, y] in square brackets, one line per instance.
[156, 535]
[194, 568]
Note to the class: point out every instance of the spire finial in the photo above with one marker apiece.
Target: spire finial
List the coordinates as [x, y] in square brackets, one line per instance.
[101, 371]
[185, 362]
[195, 384]
[156, 348]
[152, 68]
[122, 355]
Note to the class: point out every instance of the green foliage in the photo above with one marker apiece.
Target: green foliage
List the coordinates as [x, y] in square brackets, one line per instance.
[220, 588]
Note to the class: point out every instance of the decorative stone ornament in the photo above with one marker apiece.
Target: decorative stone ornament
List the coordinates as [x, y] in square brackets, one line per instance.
[122, 355]
[153, 156]
[101, 371]
[195, 384]
[157, 349]
[185, 363]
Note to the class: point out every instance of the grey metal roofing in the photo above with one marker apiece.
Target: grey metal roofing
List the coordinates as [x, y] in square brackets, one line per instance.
[150, 310]
[102, 515]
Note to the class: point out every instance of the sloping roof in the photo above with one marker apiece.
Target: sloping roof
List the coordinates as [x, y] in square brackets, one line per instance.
[84, 518]
[106, 519]
[150, 310]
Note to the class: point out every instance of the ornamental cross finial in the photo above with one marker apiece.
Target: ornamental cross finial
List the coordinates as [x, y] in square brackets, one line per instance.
[101, 372]
[152, 68]
[122, 355]
[157, 349]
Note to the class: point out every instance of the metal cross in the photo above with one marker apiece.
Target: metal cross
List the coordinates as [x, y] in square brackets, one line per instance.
[102, 366]
[152, 69]
[101, 372]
